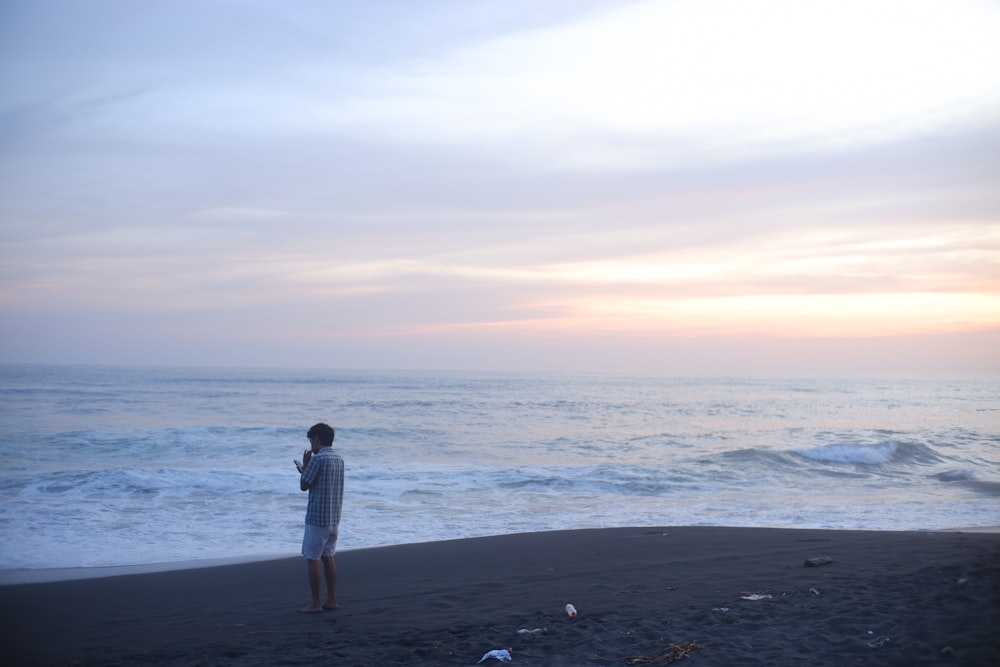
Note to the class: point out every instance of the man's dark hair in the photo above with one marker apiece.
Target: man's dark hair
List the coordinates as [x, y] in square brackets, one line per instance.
[324, 432]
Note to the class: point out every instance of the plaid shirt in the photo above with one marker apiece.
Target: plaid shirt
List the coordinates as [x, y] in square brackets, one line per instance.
[325, 477]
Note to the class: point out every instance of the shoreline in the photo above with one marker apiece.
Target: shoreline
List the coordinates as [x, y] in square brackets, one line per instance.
[744, 594]
[45, 575]
[17, 576]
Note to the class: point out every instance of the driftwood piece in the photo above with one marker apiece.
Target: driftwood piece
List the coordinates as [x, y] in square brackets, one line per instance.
[667, 655]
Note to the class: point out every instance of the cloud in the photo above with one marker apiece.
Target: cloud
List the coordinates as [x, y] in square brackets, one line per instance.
[559, 176]
[685, 83]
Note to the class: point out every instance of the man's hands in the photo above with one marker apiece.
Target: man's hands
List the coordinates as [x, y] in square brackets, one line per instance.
[306, 455]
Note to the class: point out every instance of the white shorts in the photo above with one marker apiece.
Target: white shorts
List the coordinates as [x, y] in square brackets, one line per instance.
[319, 541]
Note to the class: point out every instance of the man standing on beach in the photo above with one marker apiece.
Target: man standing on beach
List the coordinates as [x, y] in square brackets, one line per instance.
[323, 478]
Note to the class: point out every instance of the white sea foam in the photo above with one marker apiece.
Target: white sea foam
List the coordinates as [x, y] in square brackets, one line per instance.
[863, 454]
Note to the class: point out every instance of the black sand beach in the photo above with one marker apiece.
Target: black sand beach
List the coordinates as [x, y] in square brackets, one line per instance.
[887, 598]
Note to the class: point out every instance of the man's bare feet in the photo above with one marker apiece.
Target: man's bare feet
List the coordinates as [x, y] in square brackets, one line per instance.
[311, 609]
[330, 604]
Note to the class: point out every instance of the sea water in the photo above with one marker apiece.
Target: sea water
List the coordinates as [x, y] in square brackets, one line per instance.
[116, 466]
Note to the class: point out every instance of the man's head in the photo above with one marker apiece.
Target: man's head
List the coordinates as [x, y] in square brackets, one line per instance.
[320, 435]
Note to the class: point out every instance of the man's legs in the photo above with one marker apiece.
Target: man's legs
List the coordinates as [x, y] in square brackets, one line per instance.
[330, 568]
[315, 571]
[318, 545]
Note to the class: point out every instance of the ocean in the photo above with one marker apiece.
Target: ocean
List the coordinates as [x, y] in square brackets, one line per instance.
[106, 466]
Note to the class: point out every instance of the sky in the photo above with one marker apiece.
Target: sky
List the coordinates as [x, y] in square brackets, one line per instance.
[662, 186]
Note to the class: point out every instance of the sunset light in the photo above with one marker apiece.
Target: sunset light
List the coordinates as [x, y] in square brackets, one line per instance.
[647, 170]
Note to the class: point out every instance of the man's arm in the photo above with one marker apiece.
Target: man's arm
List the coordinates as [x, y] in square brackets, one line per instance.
[306, 457]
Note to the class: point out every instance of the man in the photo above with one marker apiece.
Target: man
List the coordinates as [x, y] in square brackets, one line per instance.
[323, 478]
